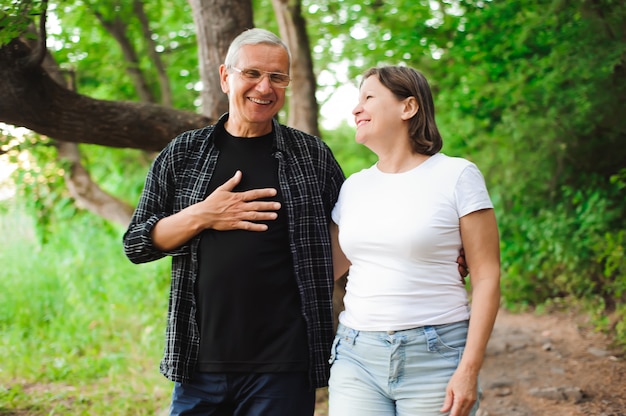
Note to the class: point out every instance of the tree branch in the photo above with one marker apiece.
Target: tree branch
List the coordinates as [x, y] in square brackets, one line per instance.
[87, 193]
[164, 81]
[38, 57]
[117, 29]
[31, 99]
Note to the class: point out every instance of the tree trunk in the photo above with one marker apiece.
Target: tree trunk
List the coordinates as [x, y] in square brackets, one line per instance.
[303, 108]
[87, 193]
[217, 23]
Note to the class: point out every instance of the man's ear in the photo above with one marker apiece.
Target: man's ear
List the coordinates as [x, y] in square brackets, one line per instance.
[411, 107]
[224, 79]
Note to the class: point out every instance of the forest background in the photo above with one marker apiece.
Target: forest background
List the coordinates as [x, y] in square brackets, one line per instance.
[532, 91]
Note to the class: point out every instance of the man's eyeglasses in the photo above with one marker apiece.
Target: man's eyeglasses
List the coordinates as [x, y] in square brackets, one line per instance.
[277, 79]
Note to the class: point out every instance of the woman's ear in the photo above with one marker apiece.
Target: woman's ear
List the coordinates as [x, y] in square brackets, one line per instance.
[410, 108]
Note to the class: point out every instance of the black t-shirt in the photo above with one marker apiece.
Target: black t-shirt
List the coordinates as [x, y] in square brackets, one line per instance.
[249, 310]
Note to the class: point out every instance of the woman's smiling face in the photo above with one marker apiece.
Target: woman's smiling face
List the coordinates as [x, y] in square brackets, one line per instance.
[378, 113]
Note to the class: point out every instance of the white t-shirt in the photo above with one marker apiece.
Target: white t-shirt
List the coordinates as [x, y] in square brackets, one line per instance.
[401, 233]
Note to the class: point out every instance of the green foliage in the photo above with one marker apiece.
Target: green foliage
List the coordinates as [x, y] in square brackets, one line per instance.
[371, 33]
[74, 312]
[111, 169]
[263, 12]
[40, 179]
[15, 16]
[351, 156]
[81, 44]
[536, 107]
[502, 72]
[542, 94]
[553, 254]
[573, 250]
[612, 257]
[39, 183]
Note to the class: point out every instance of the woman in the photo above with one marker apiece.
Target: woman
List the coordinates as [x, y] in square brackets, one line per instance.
[405, 344]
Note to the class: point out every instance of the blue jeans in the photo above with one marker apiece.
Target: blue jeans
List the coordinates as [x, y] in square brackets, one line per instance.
[244, 394]
[380, 373]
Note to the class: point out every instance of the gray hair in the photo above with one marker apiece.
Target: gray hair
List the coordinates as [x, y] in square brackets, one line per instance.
[252, 37]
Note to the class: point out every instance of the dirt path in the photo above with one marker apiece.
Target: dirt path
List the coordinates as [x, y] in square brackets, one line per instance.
[551, 365]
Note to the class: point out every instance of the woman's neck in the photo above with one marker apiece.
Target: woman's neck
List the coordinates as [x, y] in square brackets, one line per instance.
[399, 162]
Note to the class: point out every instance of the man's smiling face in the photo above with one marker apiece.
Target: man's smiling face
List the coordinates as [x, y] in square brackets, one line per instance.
[253, 103]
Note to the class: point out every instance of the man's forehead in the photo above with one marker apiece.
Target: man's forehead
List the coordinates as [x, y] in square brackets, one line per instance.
[264, 55]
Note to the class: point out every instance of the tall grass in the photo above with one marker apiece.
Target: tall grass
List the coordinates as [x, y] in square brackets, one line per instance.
[81, 328]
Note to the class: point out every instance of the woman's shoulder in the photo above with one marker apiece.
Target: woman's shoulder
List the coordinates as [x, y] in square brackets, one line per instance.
[363, 174]
[447, 160]
[452, 164]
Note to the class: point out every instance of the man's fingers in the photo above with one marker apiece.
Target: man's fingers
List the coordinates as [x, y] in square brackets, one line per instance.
[230, 184]
[251, 226]
[463, 270]
[262, 206]
[254, 194]
[250, 223]
[246, 196]
[242, 210]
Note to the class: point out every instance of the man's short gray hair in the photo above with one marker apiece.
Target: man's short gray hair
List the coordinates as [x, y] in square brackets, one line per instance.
[252, 37]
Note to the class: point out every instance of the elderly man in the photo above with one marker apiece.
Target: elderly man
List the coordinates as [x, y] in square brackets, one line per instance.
[243, 207]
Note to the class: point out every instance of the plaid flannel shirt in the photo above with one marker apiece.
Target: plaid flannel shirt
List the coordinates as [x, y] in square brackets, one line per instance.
[310, 179]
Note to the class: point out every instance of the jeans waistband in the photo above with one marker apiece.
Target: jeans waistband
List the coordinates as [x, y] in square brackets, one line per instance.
[344, 330]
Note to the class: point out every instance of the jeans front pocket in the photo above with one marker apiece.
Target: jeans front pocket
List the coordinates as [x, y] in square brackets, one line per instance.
[333, 349]
[447, 340]
[345, 334]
